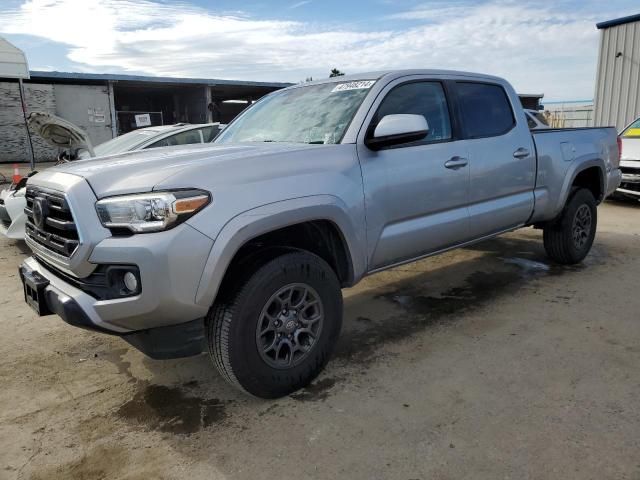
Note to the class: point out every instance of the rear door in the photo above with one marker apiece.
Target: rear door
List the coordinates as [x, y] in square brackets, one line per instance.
[501, 156]
[415, 193]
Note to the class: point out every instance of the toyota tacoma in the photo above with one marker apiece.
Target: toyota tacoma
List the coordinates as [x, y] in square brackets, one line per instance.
[242, 247]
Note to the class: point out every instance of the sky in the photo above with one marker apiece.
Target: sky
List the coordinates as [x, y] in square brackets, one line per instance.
[548, 47]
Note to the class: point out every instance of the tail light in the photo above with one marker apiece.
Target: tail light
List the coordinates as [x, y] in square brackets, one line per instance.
[619, 148]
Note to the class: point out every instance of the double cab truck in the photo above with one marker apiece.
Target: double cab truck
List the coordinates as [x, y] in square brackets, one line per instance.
[242, 247]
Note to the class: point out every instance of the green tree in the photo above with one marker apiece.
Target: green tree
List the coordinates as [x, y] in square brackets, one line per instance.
[335, 73]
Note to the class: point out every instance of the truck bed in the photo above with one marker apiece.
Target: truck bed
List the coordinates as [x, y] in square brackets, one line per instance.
[560, 151]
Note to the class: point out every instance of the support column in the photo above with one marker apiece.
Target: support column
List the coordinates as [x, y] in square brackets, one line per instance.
[32, 157]
[112, 109]
[208, 100]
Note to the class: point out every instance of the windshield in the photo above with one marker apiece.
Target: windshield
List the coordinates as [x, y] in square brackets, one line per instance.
[313, 114]
[123, 143]
[633, 130]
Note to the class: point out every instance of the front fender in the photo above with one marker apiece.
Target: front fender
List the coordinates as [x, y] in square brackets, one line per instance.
[267, 218]
[15, 208]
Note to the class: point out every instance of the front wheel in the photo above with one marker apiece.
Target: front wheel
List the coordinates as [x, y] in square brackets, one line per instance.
[569, 239]
[276, 331]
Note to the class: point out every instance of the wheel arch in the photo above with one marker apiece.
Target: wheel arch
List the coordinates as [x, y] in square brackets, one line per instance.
[589, 174]
[325, 215]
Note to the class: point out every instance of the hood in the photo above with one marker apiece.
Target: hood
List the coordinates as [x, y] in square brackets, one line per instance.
[58, 132]
[141, 171]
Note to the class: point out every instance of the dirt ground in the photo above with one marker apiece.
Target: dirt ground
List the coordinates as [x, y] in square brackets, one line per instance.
[483, 363]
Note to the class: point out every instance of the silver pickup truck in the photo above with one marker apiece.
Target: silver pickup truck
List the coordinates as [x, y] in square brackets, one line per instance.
[242, 247]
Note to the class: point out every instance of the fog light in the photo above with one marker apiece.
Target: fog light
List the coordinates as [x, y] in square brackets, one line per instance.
[130, 281]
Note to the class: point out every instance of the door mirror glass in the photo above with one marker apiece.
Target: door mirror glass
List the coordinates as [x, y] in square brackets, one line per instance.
[396, 129]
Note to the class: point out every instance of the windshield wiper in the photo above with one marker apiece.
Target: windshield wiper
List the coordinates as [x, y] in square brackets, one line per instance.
[316, 142]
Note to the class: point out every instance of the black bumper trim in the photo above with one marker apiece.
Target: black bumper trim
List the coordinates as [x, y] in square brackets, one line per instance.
[160, 343]
[173, 341]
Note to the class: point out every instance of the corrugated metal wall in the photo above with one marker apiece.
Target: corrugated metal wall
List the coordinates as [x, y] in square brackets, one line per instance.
[84, 105]
[13, 136]
[617, 95]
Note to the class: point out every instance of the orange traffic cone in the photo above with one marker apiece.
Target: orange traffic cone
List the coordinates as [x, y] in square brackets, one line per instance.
[16, 174]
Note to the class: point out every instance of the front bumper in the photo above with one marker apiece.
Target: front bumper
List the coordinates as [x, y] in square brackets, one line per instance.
[170, 265]
[48, 294]
[630, 182]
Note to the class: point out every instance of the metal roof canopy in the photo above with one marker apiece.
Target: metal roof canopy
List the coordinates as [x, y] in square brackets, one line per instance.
[13, 63]
[176, 81]
[618, 21]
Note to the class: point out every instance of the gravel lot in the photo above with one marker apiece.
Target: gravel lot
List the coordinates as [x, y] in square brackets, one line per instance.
[486, 362]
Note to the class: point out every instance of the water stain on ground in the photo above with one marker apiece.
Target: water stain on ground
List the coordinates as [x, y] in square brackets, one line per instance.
[115, 357]
[506, 266]
[317, 391]
[99, 463]
[168, 409]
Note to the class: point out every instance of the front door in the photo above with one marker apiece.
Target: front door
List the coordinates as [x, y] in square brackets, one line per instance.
[416, 193]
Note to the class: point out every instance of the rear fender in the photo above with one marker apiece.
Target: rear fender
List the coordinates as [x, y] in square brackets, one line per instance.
[574, 170]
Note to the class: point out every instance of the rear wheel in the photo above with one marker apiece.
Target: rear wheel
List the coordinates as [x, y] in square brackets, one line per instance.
[275, 332]
[569, 239]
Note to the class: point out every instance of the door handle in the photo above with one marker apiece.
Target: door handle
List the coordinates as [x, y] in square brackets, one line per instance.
[455, 163]
[521, 153]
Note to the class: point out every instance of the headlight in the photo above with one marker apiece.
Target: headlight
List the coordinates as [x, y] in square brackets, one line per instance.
[151, 212]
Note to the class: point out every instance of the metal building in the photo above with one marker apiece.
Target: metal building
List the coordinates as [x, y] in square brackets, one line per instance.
[106, 105]
[617, 94]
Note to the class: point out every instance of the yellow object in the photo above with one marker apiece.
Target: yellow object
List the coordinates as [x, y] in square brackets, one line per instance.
[188, 205]
[632, 132]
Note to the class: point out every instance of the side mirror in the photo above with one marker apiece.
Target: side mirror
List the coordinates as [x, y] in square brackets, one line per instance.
[397, 129]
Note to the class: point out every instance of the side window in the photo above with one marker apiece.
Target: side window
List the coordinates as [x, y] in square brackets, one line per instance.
[419, 98]
[530, 121]
[182, 138]
[485, 108]
[209, 133]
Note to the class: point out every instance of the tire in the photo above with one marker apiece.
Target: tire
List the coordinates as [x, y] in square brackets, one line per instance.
[243, 356]
[568, 240]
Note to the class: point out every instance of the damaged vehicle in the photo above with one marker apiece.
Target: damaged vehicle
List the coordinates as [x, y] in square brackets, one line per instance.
[75, 144]
[242, 248]
[630, 162]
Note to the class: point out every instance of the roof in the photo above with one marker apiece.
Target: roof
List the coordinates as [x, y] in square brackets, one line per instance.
[175, 127]
[38, 74]
[618, 21]
[393, 74]
[13, 63]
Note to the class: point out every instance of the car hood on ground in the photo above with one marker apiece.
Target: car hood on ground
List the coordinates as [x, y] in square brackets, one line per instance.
[145, 170]
[58, 132]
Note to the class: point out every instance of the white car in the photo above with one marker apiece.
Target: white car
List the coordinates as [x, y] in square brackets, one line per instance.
[63, 134]
[154, 137]
[630, 161]
[12, 217]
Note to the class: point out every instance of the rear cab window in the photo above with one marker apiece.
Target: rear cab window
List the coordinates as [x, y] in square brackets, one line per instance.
[485, 109]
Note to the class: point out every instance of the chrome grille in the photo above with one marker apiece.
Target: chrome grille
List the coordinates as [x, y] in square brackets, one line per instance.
[50, 222]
